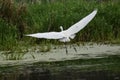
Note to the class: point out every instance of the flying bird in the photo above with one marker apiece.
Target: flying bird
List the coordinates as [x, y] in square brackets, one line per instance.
[66, 35]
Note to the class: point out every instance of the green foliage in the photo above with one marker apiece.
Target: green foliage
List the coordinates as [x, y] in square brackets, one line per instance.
[13, 55]
[33, 18]
[104, 27]
[7, 35]
[14, 14]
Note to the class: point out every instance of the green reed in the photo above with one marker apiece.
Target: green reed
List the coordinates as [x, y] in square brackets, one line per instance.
[105, 26]
[45, 17]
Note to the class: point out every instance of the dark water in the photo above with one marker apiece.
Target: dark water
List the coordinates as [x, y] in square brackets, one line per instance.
[38, 73]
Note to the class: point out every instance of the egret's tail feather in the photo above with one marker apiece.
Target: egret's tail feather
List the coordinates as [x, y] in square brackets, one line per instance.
[72, 36]
[64, 40]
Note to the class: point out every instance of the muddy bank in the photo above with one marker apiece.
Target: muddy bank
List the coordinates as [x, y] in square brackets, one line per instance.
[91, 62]
[57, 53]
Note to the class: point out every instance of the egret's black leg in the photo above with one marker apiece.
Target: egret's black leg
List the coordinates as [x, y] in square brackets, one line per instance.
[66, 48]
[74, 48]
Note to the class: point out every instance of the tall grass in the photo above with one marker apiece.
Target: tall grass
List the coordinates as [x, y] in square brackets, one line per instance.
[49, 16]
[105, 26]
[7, 35]
[13, 14]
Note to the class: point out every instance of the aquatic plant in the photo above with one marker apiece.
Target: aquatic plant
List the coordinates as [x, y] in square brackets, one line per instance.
[14, 14]
[17, 20]
[9, 55]
[48, 17]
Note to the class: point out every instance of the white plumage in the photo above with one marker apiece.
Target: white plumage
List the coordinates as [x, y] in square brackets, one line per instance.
[66, 35]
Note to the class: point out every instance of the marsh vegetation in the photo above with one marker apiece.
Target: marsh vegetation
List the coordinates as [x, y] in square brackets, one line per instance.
[23, 59]
[19, 18]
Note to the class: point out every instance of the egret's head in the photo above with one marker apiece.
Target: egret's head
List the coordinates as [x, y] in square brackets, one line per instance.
[61, 28]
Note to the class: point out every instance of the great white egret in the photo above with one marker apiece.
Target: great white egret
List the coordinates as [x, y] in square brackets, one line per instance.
[66, 35]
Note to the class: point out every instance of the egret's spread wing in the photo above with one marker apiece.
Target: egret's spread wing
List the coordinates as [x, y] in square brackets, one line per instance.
[81, 24]
[47, 35]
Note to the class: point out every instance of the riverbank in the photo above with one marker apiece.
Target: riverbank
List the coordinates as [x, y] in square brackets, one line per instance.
[90, 62]
[58, 53]
[84, 69]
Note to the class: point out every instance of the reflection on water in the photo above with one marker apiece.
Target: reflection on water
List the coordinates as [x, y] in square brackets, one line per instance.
[30, 73]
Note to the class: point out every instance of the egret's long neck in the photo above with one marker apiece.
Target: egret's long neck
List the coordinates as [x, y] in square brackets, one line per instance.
[61, 28]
